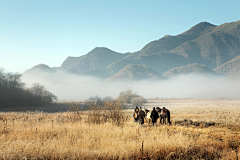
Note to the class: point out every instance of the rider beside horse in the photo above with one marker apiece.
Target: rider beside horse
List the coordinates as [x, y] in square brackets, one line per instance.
[139, 114]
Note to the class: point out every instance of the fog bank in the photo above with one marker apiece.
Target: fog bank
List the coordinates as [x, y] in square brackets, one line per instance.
[70, 87]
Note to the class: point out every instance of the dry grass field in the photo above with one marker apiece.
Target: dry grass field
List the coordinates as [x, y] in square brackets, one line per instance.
[201, 129]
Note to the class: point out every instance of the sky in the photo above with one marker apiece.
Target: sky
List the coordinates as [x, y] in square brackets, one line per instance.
[36, 32]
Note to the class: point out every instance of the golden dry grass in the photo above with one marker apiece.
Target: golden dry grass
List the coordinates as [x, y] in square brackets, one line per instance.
[38, 135]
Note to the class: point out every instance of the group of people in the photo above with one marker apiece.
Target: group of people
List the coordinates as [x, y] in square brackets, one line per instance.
[163, 114]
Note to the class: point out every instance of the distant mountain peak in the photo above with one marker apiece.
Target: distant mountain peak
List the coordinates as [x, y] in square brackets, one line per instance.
[101, 49]
[199, 28]
[98, 58]
[205, 24]
[40, 68]
[168, 42]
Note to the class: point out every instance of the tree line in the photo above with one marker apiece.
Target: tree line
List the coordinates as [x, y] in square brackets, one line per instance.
[13, 92]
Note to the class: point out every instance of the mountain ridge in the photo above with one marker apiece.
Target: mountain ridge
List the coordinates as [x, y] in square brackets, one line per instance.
[97, 58]
[190, 69]
[203, 43]
[135, 72]
[229, 67]
[221, 47]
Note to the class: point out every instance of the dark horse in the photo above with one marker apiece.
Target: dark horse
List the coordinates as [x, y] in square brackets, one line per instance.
[164, 114]
[142, 115]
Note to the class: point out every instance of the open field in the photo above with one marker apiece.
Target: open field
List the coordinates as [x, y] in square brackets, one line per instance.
[201, 129]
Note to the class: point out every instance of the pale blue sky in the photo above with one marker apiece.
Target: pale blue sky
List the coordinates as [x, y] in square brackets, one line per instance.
[48, 31]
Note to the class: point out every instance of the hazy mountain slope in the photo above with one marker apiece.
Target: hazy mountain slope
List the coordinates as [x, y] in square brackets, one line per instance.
[168, 43]
[38, 69]
[189, 69]
[229, 67]
[98, 58]
[160, 62]
[135, 72]
[234, 76]
[213, 48]
[118, 65]
[204, 43]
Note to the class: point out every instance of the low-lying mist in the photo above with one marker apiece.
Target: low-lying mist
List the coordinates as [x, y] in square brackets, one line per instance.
[71, 87]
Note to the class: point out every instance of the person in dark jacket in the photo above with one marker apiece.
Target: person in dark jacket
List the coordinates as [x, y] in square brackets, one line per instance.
[142, 115]
[154, 115]
[136, 114]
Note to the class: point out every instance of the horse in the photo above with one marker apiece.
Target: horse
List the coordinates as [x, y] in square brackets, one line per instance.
[148, 115]
[142, 115]
[164, 114]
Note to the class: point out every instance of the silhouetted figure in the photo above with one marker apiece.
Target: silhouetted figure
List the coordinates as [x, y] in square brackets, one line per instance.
[142, 115]
[168, 116]
[154, 115]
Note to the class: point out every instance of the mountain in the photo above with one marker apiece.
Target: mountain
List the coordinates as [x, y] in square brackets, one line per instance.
[213, 48]
[135, 72]
[98, 58]
[204, 43]
[38, 69]
[156, 53]
[229, 67]
[189, 69]
[168, 43]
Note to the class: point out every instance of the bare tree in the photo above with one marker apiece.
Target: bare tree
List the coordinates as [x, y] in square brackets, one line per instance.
[40, 91]
[127, 95]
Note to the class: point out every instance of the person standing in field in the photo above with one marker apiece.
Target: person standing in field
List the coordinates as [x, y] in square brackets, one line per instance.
[154, 116]
[136, 113]
[141, 116]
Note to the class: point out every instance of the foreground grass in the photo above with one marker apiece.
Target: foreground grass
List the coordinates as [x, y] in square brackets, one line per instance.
[38, 135]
